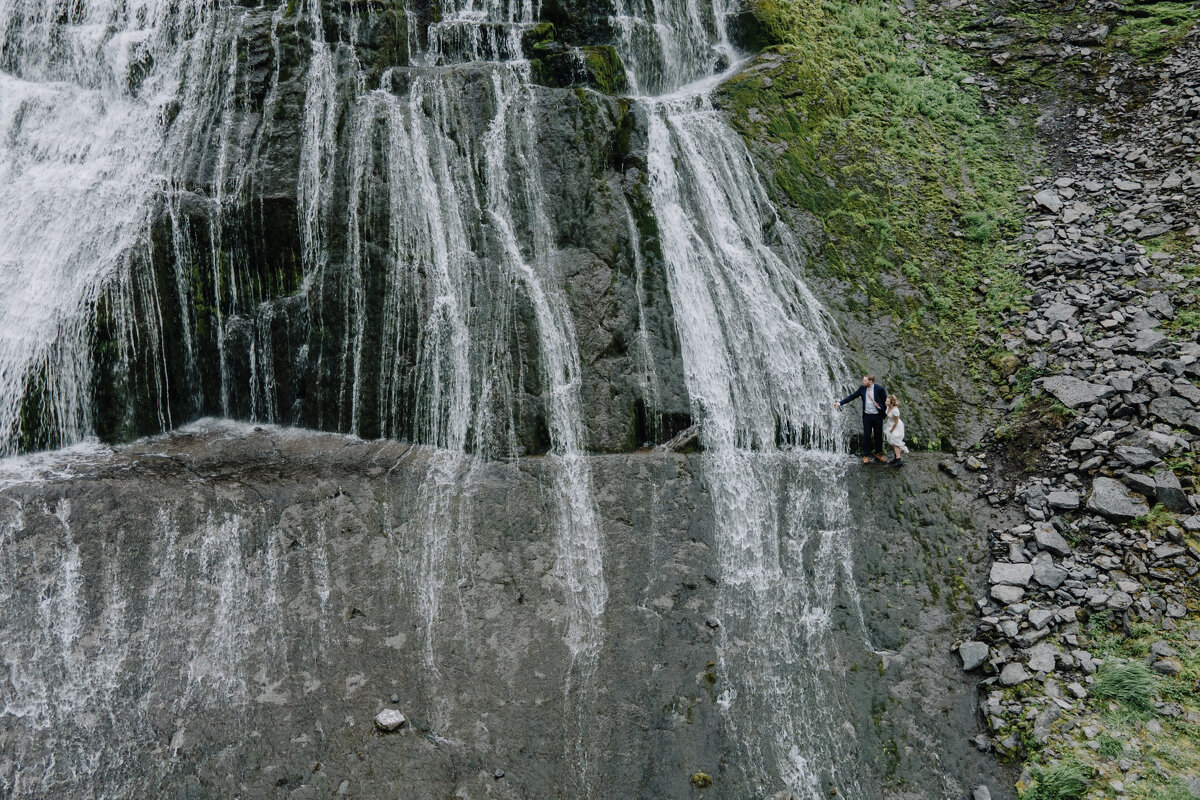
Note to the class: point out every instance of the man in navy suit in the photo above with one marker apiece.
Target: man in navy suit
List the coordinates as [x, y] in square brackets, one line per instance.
[874, 399]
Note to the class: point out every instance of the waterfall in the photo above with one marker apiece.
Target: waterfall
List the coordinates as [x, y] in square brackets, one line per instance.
[470, 247]
[667, 44]
[429, 283]
[761, 367]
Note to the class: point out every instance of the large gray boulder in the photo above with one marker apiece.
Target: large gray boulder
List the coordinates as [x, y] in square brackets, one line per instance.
[1169, 492]
[1012, 574]
[1050, 539]
[1111, 499]
[1073, 393]
[1176, 412]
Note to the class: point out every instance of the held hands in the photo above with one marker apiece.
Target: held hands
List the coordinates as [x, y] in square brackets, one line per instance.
[837, 405]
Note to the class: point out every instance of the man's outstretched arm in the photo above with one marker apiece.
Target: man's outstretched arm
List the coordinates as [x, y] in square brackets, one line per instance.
[853, 396]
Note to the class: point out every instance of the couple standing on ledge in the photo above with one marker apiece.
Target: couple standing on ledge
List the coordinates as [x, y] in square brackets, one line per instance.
[878, 407]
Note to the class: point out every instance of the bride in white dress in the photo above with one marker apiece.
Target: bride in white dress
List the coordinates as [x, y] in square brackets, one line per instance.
[893, 430]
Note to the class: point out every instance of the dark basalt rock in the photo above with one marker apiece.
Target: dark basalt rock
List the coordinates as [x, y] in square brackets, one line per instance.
[597, 67]
[263, 588]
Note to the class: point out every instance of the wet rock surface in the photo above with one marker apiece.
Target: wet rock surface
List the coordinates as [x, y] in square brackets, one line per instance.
[244, 616]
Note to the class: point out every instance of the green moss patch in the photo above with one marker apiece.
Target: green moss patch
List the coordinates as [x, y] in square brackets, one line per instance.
[1154, 29]
[880, 139]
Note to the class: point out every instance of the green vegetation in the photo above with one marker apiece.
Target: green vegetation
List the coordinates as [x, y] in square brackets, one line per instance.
[1127, 682]
[879, 138]
[1157, 521]
[1110, 747]
[1066, 780]
[1160, 742]
[702, 780]
[1153, 29]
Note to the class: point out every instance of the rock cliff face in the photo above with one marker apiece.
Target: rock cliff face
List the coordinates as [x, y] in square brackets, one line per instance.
[227, 611]
[277, 280]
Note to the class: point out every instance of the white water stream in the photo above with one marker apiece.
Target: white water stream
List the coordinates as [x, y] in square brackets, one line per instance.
[471, 247]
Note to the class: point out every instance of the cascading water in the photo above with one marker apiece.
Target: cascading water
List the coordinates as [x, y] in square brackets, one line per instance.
[427, 278]
[761, 365]
[465, 222]
[80, 107]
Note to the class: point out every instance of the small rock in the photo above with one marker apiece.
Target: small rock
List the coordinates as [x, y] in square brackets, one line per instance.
[1063, 501]
[1042, 658]
[1142, 484]
[981, 793]
[1007, 595]
[1049, 575]
[1041, 725]
[1049, 200]
[389, 720]
[1119, 601]
[1073, 393]
[972, 654]
[1169, 492]
[1176, 412]
[1165, 551]
[1050, 539]
[1013, 674]
[1163, 649]
[1167, 666]
[1135, 457]
[1040, 618]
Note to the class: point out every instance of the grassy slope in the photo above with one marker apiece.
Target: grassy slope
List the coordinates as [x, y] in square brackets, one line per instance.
[875, 135]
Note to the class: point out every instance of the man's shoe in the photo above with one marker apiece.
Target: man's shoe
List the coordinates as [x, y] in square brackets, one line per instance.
[881, 457]
[866, 459]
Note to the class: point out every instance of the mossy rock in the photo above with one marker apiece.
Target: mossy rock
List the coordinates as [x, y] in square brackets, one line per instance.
[598, 67]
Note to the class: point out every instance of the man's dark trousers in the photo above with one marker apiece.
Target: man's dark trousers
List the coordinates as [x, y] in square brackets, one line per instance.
[872, 434]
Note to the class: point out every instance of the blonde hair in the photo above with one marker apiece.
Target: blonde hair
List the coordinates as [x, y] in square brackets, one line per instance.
[892, 400]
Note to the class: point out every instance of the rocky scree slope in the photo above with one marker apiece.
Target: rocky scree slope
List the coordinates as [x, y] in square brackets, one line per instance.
[1089, 638]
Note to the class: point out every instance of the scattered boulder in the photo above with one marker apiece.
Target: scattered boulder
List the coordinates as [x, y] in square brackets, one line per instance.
[1050, 539]
[1110, 499]
[1073, 393]
[973, 654]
